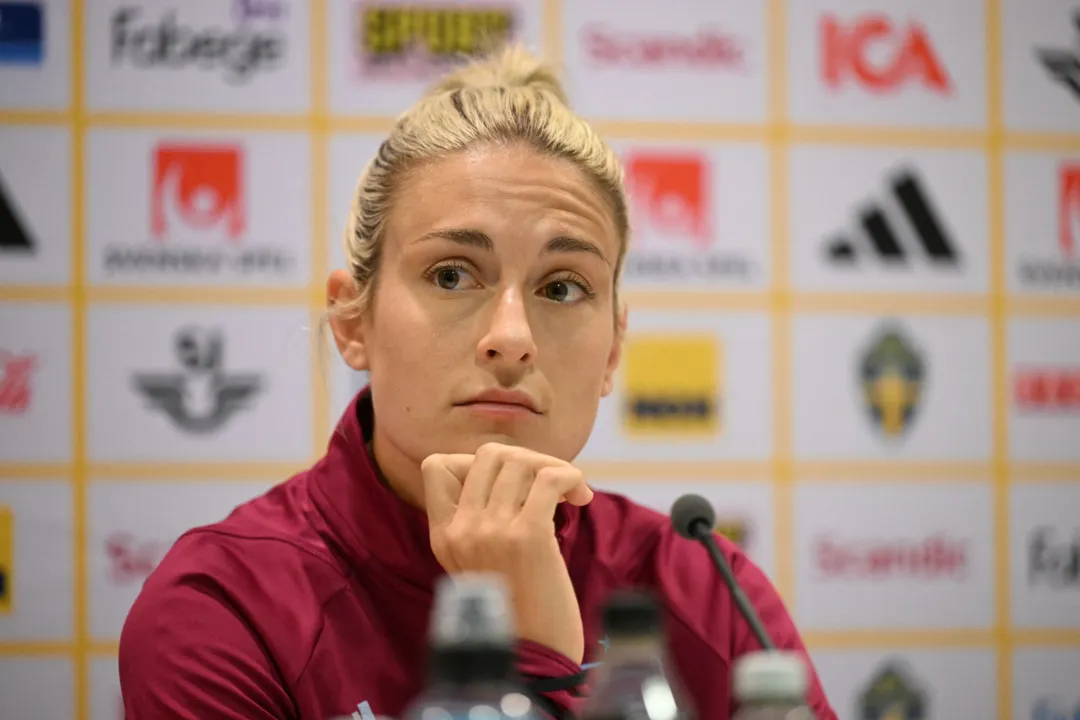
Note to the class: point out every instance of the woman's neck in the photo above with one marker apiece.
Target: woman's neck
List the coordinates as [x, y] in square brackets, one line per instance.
[396, 470]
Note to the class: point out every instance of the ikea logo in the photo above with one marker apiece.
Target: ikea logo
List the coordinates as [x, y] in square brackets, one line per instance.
[7, 559]
[672, 385]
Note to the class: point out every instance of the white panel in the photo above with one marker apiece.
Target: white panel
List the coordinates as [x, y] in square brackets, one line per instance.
[1045, 555]
[920, 63]
[742, 405]
[1044, 389]
[132, 526]
[35, 179]
[32, 687]
[1037, 99]
[891, 556]
[1045, 685]
[212, 416]
[35, 383]
[44, 84]
[679, 60]
[106, 703]
[933, 684]
[367, 73]
[199, 208]
[40, 581]
[950, 407]
[198, 56]
[833, 188]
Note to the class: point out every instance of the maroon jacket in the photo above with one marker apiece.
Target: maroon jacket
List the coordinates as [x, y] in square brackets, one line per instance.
[313, 601]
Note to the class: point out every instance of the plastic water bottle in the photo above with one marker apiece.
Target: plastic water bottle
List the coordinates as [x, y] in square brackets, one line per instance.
[771, 685]
[635, 681]
[471, 673]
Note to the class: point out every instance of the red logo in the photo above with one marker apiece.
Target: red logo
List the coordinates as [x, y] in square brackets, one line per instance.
[1069, 209]
[131, 560]
[1047, 389]
[879, 55]
[708, 49]
[199, 186]
[15, 371]
[671, 195]
[932, 558]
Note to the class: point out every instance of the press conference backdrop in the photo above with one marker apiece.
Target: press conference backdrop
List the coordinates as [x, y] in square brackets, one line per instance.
[854, 281]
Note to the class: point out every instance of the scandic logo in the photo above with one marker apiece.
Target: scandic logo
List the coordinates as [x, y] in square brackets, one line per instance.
[203, 184]
[198, 199]
[15, 390]
[400, 40]
[1049, 389]
[915, 210]
[932, 558]
[672, 385]
[131, 560]
[846, 50]
[707, 49]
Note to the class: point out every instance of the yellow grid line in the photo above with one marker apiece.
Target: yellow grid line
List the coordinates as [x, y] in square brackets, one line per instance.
[320, 236]
[784, 479]
[79, 365]
[999, 366]
[34, 471]
[551, 39]
[193, 471]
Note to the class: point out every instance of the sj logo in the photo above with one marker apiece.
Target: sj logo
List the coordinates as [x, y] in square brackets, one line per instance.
[199, 187]
[672, 385]
[880, 55]
[7, 560]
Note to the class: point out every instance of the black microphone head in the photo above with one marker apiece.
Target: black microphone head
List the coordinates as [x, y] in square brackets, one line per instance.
[688, 511]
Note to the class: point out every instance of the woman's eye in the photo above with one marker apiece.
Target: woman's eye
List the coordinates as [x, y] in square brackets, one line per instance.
[452, 278]
[564, 291]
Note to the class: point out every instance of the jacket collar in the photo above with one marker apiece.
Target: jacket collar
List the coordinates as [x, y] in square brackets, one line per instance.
[370, 523]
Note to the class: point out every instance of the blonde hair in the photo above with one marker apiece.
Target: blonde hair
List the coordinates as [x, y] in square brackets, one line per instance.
[506, 96]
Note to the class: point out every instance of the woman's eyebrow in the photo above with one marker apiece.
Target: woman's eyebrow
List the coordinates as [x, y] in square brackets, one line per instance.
[480, 240]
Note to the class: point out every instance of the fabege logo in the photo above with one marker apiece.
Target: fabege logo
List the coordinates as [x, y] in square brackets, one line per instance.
[708, 49]
[7, 560]
[199, 186]
[1048, 389]
[15, 391]
[933, 558]
[671, 193]
[672, 385]
[903, 55]
[1053, 561]
[131, 560]
[241, 50]
[398, 41]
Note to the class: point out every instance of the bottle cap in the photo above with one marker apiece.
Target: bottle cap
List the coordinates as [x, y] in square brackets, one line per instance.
[471, 609]
[631, 612]
[770, 675]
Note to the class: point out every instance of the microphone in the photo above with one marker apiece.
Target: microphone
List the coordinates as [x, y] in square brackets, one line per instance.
[693, 517]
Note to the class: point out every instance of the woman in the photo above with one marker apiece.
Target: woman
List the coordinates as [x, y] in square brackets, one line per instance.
[484, 250]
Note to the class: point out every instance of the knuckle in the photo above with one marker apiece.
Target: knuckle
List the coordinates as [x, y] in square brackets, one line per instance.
[491, 450]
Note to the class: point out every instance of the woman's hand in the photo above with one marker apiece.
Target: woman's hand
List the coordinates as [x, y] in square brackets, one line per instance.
[495, 511]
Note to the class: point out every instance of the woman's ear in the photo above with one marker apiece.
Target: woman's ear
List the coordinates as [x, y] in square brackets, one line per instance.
[341, 292]
[616, 352]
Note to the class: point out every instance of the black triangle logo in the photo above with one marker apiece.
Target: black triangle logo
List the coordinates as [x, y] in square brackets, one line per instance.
[14, 235]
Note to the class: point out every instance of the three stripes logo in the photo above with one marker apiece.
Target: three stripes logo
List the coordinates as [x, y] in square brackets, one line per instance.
[14, 236]
[915, 228]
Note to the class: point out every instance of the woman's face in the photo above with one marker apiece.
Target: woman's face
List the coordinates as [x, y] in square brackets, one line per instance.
[493, 318]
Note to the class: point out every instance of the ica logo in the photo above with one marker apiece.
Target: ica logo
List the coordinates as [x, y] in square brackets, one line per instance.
[879, 54]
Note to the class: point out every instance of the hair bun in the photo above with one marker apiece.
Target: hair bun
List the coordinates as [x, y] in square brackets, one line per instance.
[509, 67]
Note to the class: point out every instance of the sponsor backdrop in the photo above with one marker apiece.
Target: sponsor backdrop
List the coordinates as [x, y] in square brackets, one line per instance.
[854, 278]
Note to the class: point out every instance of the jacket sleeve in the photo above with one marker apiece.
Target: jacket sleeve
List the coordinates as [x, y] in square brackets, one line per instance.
[185, 654]
[554, 679]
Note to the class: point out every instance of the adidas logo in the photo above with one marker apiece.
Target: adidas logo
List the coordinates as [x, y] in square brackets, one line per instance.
[914, 216]
[14, 237]
[1064, 64]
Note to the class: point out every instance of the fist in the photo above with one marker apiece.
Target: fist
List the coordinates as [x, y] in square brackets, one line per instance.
[495, 512]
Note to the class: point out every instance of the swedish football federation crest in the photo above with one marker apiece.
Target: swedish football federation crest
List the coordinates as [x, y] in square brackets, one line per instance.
[892, 373]
[892, 695]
